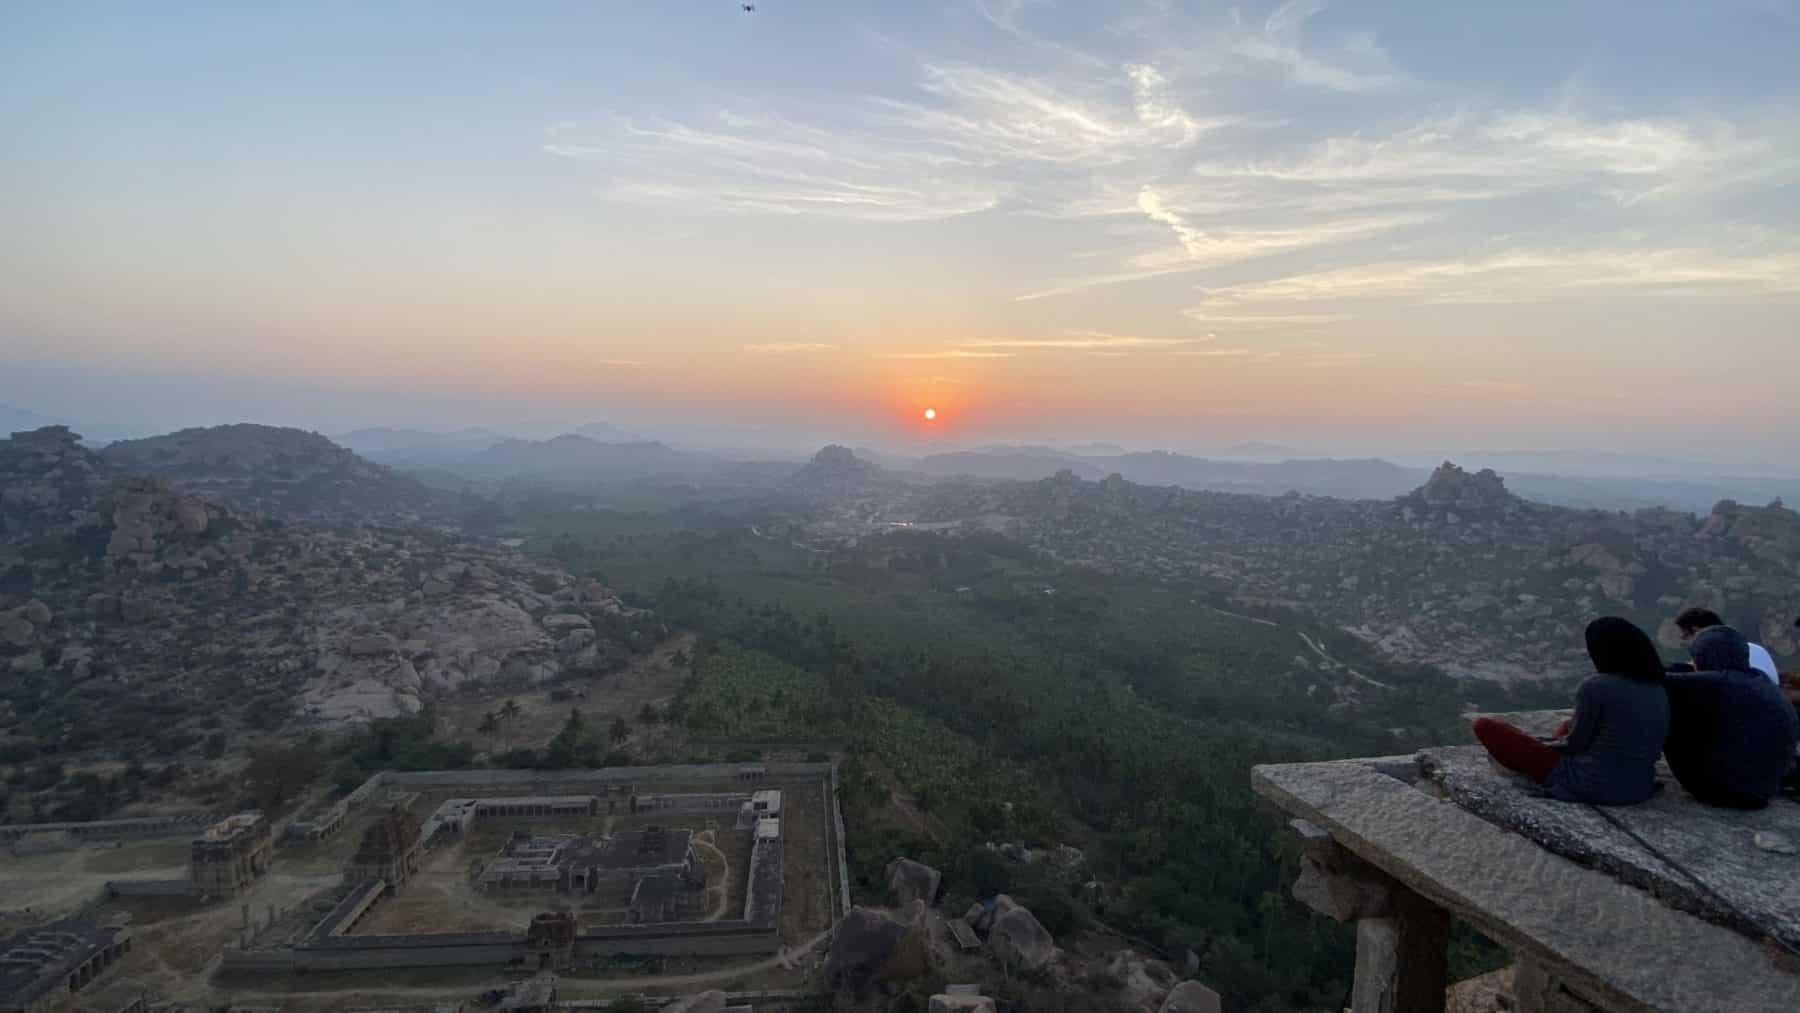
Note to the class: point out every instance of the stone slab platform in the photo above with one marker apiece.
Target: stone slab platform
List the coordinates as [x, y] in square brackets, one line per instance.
[1719, 872]
[1615, 944]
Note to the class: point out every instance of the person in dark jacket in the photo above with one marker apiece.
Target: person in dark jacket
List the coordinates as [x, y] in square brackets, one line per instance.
[1732, 733]
[1621, 719]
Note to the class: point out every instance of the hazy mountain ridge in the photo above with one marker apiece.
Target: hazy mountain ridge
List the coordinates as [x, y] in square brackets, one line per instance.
[1459, 572]
[572, 456]
[1344, 478]
[289, 473]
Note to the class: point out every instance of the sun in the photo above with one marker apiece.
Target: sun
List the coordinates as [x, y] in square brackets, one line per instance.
[931, 414]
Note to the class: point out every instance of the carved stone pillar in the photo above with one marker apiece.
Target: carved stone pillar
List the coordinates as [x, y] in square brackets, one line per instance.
[1401, 938]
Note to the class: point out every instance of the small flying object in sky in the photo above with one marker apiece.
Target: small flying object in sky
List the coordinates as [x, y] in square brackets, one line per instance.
[748, 8]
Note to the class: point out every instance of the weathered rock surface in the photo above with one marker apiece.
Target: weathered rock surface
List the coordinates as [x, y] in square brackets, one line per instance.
[1191, 997]
[867, 945]
[1018, 938]
[1144, 980]
[980, 917]
[862, 942]
[1581, 924]
[1760, 889]
[160, 601]
[912, 881]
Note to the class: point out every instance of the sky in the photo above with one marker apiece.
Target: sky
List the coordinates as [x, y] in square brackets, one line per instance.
[1345, 227]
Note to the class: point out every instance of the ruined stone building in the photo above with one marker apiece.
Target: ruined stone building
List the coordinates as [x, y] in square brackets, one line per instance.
[585, 865]
[764, 804]
[41, 968]
[550, 940]
[389, 850]
[231, 854]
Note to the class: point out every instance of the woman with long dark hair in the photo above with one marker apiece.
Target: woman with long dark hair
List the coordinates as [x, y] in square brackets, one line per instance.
[1621, 719]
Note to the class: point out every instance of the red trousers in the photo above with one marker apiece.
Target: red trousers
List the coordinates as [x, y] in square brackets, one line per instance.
[1515, 750]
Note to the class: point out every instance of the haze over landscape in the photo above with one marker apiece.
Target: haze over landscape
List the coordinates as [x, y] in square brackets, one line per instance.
[1351, 229]
[983, 505]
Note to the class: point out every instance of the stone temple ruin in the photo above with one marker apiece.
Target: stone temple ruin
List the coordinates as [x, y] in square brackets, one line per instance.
[649, 876]
[619, 864]
[389, 850]
[231, 854]
[42, 968]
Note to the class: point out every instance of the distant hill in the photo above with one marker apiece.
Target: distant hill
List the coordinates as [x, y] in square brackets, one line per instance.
[1356, 479]
[1362, 478]
[416, 449]
[1367, 478]
[1095, 449]
[835, 471]
[1258, 451]
[606, 432]
[578, 458]
[380, 438]
[1018, 464]
[288, 473]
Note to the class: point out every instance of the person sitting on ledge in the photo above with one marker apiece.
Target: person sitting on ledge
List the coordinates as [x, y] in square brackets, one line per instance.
[1621, 719]
[1731, 732]
[1691, 622]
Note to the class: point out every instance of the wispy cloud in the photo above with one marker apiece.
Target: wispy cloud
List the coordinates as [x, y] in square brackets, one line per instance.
[788, 347]
[1359, 66]
[1190, 145]
[965, 139]
[1249, 321]
[1525, 276]
[1473, 155]
[1086, 341]
[950, 353]
[1218, 353]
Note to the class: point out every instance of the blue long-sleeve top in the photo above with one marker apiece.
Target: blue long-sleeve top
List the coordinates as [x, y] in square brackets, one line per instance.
[1733, 733]
[1613, 744]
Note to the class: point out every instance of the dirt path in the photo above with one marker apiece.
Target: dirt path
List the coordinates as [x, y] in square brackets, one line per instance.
[1319, 649]
[725, 881]
[1237, 615]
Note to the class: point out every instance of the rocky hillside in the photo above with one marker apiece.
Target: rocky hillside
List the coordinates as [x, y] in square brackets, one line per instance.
[130, 609]
[287, 473]
[1459, 573]
[836, 471]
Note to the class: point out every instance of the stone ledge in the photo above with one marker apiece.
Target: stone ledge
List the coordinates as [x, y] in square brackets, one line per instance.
[1614, 944]
[1746, 888]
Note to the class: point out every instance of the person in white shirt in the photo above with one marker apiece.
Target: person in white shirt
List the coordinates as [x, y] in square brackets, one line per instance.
[1692, 620]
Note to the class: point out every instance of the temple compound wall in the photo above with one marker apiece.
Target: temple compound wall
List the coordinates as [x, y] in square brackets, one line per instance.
[655, 863]
[69, 834]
